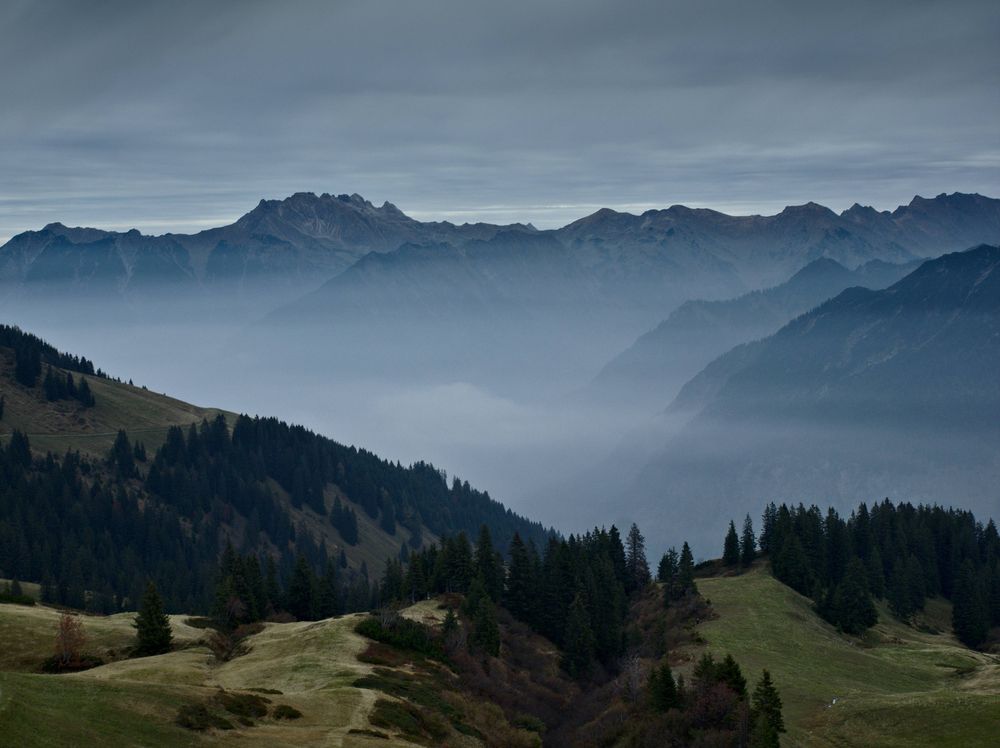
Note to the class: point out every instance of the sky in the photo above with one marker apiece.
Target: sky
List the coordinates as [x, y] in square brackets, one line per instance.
[177, 116]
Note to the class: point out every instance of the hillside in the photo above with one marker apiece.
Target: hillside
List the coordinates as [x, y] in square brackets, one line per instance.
[899, 686]
[132, 702]
[158, 488]
[654, 367]
[808, 411]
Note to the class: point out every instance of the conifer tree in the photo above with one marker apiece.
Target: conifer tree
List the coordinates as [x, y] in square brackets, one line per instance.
[728, 671]
[521, 595]
[485, 635]
[765, 714]
[767, 529]
[578, 641]
[969, 613]
[748, 544]
[488, 565]
[153, 634]
[790, 565]
[475, 596]
[328, 602]
[853, 610]
[731, 547]
[876, 573]
[663, 693]
[685, 572]
[637, 568]
[300, 602]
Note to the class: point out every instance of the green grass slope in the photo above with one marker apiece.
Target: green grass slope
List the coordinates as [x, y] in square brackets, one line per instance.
[897, 686]
[135, 702]
[62, 425]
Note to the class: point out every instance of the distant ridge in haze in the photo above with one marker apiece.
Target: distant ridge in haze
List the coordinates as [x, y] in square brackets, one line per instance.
[306, 239]
[874, 393]
[654, 367]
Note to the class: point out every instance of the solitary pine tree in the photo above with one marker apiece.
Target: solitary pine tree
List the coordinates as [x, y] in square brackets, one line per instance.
[731, 547]
[153, 634]
[765, 714]
[748, 544]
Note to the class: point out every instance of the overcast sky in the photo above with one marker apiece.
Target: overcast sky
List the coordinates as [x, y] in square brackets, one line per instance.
[181, 115]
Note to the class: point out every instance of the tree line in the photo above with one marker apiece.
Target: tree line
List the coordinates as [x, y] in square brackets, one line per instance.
[897, 552]
[30, 352]
[91, 532]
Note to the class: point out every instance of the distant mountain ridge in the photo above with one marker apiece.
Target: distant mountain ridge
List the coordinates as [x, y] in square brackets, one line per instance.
[307, 238]
[697, 331]
[279, 241]
[873, 393]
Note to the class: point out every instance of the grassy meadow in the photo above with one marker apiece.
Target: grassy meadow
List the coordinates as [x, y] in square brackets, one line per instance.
[897, 686]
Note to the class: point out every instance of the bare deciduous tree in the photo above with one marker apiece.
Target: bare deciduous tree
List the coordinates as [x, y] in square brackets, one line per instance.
[70, 639]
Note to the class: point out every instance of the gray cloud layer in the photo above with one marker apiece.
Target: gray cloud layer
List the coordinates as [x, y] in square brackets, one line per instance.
[173, 116]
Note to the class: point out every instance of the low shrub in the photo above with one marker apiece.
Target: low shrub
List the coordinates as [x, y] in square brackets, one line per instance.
[53, 664]
[246, 705]
[402, 633]
[284, 711]
[197, 717]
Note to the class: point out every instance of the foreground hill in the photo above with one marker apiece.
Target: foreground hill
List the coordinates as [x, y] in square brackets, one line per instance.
[898, 686]
[158, 488]
[874, 393]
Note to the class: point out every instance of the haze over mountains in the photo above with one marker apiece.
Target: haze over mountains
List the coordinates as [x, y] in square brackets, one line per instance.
[470, 345]
[653, 368]
[874, 393]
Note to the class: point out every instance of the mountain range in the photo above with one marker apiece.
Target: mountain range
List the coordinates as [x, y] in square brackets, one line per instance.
[654, 367]
[647, 260]
[873, 393]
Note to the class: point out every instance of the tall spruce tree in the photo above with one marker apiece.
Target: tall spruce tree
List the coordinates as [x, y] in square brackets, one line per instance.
[748, 544]
[637, 568]
[521, 595]
[765, 714]
[152, 626]
[485, 636]
[301, 601]
[969, 613]
[685, 572]
[731, 547]
[852, 609]
[663, 694]
[488, 565]
[791, 566]
[578, 641]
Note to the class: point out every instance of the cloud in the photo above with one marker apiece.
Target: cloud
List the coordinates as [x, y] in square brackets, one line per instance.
[166, 115]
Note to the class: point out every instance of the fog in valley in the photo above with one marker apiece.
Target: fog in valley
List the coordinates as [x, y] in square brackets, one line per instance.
[614, 370]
